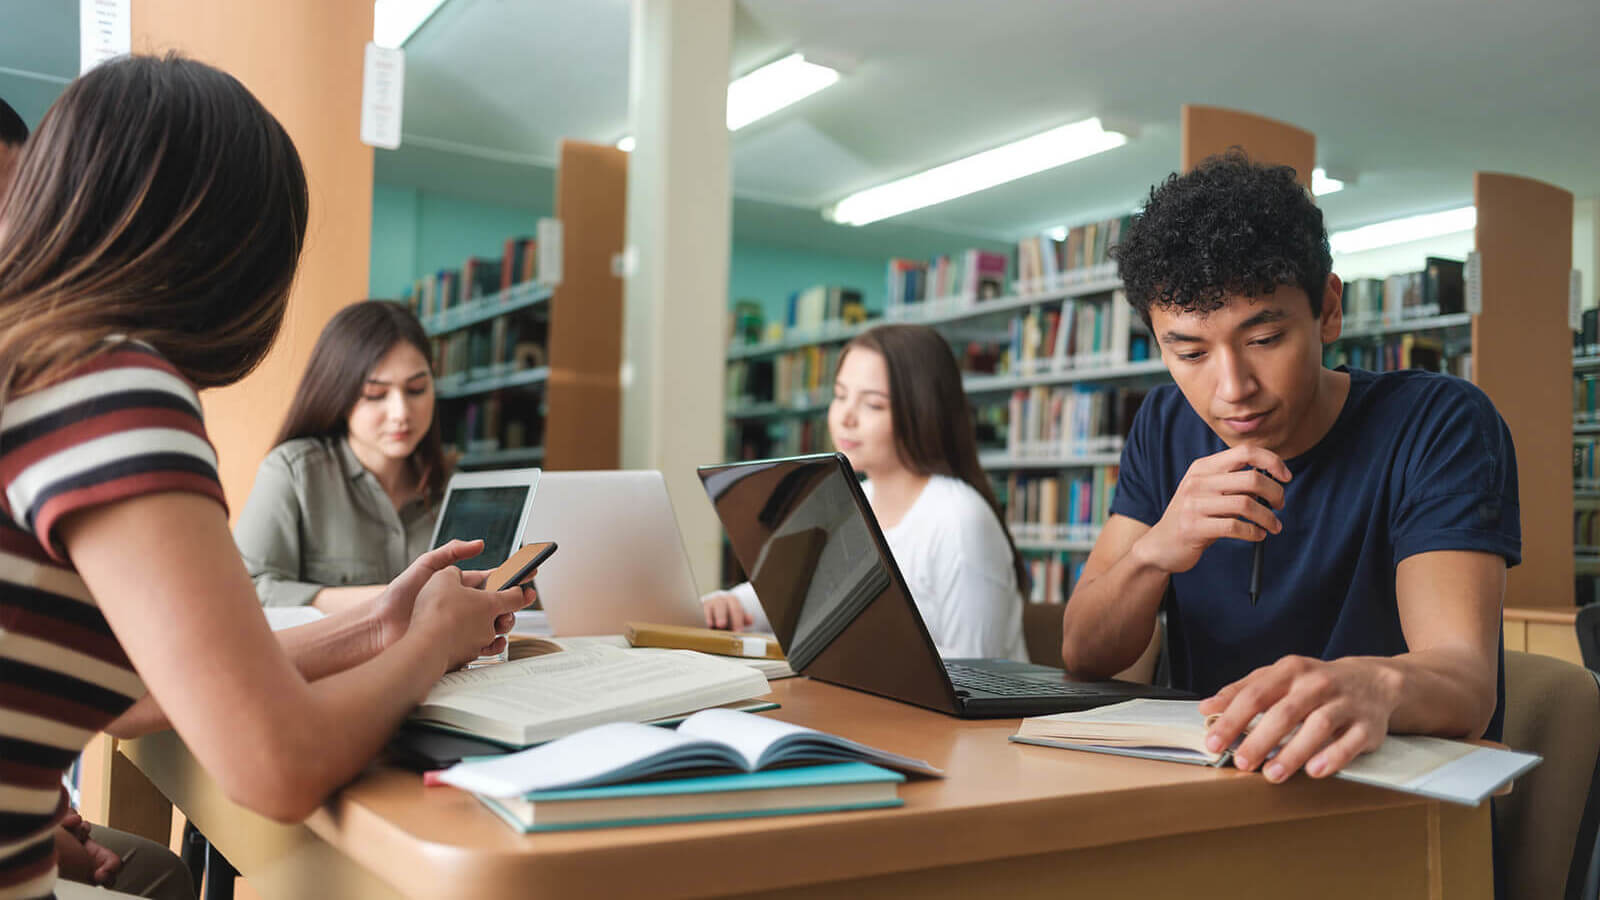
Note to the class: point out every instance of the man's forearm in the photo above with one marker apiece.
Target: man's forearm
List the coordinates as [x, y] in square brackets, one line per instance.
[1110, 618]
[1443, 691]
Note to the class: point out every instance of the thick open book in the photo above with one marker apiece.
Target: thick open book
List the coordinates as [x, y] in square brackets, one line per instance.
[540, 698]
[713, 739]
[1174, 730]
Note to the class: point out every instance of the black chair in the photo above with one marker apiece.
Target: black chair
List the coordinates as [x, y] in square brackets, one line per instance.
[1589, 635]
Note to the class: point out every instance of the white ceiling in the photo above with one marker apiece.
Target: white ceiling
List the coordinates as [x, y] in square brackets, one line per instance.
[1411, 98]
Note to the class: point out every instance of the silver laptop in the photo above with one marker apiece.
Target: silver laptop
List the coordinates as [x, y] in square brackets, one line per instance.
[622, 557]
[488, 506]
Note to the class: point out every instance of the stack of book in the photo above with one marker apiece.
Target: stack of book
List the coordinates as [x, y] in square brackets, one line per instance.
[1438, 290]
[717, 764]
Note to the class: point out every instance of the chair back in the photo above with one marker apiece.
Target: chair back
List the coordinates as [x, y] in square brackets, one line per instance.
[1547, 823]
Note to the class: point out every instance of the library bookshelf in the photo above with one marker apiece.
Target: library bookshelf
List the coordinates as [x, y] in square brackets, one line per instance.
[528, 375]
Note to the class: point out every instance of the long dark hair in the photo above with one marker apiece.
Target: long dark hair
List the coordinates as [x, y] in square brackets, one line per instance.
[351, 345]
[933, 432]
[158, 200]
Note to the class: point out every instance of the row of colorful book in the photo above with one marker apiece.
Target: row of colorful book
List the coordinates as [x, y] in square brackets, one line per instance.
[520, 262]
[1052, 575]
[1060, 507]
[1046, 262]
[1586, 462]
[767, 438]
[1081, 333]
[494, 422]
[1585, 397]
[1065, 422]
[1392, 354]
[974, 276]
[1438, 290]
[504, 344]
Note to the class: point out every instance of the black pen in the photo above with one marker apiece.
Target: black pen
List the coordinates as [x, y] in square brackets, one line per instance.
[1255, 572]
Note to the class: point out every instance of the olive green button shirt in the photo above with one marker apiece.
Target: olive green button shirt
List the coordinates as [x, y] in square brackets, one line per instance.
[317, 518]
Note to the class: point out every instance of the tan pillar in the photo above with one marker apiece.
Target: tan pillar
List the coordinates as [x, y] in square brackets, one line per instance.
[303, 60]
[1208, 130]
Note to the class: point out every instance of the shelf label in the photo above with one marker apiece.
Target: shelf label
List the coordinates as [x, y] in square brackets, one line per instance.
[549, 237]
[105, 31]
[1575, 300]
[382, 96]
[1474, 287]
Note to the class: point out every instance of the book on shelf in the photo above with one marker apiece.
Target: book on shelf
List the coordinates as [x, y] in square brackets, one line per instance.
[1439, 289]
[811, 310]
[1046, 263]
[1069, 421]
[1175, 731]
[537, 699]
[1393, 353]
[1586, 340]
[1064, 507]
[1080, 333]
[1052, 575]
[970, 278]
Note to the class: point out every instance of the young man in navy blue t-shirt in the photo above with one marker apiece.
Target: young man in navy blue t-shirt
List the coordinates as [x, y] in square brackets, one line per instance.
[1384, 505]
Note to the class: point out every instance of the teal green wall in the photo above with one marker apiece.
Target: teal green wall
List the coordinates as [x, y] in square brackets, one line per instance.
[416, 231]
[771, 274]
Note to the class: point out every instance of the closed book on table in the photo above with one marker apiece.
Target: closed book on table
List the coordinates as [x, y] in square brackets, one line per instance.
[705, 640]
[805, 789]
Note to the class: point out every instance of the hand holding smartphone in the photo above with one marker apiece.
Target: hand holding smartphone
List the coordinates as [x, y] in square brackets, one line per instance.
[520, 566]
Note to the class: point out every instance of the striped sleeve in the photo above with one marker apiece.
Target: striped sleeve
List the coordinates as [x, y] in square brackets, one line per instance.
[124, 424]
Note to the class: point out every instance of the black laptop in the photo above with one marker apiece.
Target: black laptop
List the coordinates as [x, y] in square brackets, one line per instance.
[802, 529]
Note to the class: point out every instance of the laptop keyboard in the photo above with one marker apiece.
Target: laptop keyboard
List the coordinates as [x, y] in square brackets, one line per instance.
[974, 679]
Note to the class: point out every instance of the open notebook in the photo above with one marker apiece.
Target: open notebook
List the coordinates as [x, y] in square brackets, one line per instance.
[1174, 730]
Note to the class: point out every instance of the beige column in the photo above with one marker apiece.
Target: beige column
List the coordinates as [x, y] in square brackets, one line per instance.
[303, 60]
[678, 244]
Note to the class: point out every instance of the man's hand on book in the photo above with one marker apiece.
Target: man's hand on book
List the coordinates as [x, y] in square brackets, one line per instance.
[1328, 712]
[1217, 499]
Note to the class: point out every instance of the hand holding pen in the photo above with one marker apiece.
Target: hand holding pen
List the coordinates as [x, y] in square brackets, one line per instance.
[1232, 494]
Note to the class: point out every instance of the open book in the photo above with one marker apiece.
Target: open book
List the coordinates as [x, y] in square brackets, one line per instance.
[1174, 730]
[540, 698]
[715, 739]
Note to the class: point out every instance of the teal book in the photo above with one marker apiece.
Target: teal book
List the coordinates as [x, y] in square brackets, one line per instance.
[777, 792]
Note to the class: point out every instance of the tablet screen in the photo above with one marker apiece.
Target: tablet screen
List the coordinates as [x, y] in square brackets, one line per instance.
[487, 513]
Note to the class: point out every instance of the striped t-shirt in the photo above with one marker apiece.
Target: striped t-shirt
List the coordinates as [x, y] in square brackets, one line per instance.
[124, 424]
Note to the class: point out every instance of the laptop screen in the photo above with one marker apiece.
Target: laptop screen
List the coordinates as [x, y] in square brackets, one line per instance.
[490, 513]
[803, 531]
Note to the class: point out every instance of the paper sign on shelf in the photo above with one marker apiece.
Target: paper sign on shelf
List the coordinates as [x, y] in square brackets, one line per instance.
[382, 96]
[105, 31]
[1474, 278]
[1575, 300]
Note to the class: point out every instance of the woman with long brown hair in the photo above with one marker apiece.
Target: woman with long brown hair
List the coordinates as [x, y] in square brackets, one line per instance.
[900, 415]
[147, 246]
[348, 495]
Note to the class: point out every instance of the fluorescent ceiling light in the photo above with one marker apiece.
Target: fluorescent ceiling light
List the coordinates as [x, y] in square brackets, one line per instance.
[774, 86]
[1055, 147]
[1058, 233]
[1322, 185]
[1402, 231]
[395, 21]
[766, 90]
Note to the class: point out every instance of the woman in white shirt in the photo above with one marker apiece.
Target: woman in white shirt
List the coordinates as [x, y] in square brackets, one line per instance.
[900, 415]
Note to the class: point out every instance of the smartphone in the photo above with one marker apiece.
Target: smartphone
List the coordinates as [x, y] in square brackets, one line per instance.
[518, 569]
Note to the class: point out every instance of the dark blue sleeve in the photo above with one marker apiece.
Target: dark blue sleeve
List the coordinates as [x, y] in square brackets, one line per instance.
[1459, 478]
[1138, 495]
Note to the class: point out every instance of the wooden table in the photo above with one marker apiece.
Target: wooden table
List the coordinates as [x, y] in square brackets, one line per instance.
[1010, 821]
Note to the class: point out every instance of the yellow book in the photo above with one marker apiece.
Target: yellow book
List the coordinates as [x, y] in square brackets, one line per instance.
[705, 640]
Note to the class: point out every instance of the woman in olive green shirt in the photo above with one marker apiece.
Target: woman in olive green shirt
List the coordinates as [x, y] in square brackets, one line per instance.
[348, 496]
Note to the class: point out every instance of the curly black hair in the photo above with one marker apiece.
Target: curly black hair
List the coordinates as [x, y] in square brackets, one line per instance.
[1229, 227]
